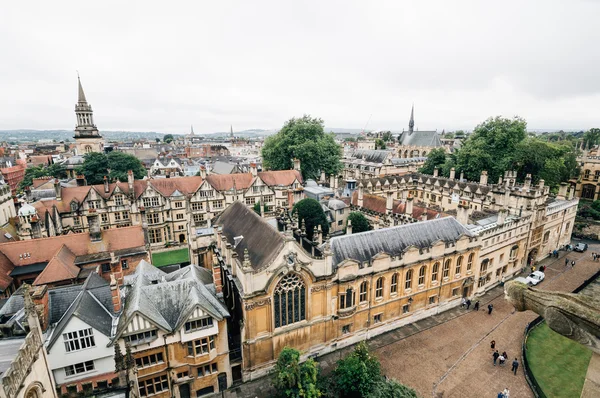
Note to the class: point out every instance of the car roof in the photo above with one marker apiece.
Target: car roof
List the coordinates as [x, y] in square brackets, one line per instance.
[537, 273]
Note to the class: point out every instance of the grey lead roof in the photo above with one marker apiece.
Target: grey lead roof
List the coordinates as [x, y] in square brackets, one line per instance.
[421, 138]
[167, 300]
[372, 155]
[365, 245]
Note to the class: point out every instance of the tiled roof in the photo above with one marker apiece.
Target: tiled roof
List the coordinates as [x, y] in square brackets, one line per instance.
[60, 268]
[262, 240]
[37, 182]
[378, 204]
[6, 266]
[280, 177]
[225, 182]
[364, 246]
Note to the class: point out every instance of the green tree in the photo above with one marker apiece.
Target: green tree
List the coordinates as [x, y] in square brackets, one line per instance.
[387, 136]
[168, 138]
[256, 208]
[592, 137]
[53, 170]
[357, 374]
[459, 134]
[293, 379]
[120, 163]
[435, 158]
[157, 139]
[392, 389]
[379, 144]
[94, 167]
[491, 147]
[303, 138]
[359, 222]
[311, 212]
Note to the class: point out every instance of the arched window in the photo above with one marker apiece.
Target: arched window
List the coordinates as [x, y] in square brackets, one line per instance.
[586, 174]
[446, 269]
[434, 272]
[597, 175]
[347, 299]
[289, 300]
[88, 149]
[394, 284]
[484, 265]
[362, 298]
[513, 253]
[422, 275]
[567, 228]
[34, 391]
[379, 288]
[408, 281]
[546, 238]
[470, 262]
[458, 265]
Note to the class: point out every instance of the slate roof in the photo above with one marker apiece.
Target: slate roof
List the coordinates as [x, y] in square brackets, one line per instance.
[219, 167]
[93, 305]
[372, 155]
[362, 247]
[262, 241]
[421, 138]
[167, 300]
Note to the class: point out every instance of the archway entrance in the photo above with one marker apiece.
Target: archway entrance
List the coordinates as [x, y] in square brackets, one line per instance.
[181, 238]
[531, 257]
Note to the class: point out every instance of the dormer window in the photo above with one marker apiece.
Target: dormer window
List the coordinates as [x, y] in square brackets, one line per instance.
[74, 206]
[119, 200]
[198, 324]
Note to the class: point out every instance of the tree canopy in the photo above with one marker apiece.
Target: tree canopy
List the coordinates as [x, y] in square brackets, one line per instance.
[359, 222]
[303, 138]
[293, 379]
[168, 138]
[311, 212]
[436, 158]
[379, 144]
[357, 374]
[115, 165]
[53, 170]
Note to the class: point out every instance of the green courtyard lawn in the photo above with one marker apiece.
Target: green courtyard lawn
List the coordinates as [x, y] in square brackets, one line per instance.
[170, 257]
[558, 364]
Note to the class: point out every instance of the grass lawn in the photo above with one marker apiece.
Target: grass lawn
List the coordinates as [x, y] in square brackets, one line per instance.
[171, 257]
[558, 364]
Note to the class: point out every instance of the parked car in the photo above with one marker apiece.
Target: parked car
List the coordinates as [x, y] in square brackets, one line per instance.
[580, 247]
[535, 277]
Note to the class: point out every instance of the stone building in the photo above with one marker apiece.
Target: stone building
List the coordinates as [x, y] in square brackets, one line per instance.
[176, 325]
[587, 185]
[87, 137]
[364, 284]
[7, 205]
[414, 144]
[366, 163]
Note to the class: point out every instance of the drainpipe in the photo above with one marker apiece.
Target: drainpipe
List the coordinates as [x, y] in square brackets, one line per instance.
[171, 386]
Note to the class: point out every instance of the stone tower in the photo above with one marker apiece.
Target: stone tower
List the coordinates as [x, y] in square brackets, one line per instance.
[87, 137]
[411, 122]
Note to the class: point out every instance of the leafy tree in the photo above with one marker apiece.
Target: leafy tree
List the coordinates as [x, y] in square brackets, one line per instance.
[392, 389]
[303, 138]
[295, 380]
[459, 134]
[311, 212]
[379, 144]
[97, 165]
[435, 158]
[53, 170]
[157, 139]
[168, 138]
[256, 208]
[120, 163]
[358, 373]
[491, 147]
[350, 139]
[387, 136]
[359, 222]
[592, 137]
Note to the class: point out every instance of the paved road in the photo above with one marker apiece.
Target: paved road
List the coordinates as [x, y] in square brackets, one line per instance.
[454, 359]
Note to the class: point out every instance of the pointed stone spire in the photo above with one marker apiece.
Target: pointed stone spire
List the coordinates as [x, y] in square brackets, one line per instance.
[81, 97]
[411, 122]
[231, 130]
[192, 129]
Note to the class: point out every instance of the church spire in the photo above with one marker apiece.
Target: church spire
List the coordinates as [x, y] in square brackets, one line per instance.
[411, 122]
[81, 93]
[231, 130]
[192, 129]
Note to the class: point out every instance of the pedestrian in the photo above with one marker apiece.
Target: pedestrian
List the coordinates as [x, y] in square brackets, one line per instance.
[566, 261]
[495, 355]
[504, 354]
[476, 307]
[463, 303]
[502, 359]
[515, 366]
[493, 344]
[506, 393]
[490, 308]
[594, 256]
[573, 264]
[468, 303]
[543, 268]
[500, 394]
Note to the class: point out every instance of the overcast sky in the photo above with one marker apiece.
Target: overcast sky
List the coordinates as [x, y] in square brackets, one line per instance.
[157, 66]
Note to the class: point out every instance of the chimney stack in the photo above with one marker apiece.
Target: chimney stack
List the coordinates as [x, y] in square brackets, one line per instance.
[322, 177]
[435, 171]
[424, 215]
[462, 176]
[452, 173]
[349, 227]
[562, 191]
[408, 210]
[203, 171]
[94, 224]
[216, 271]
[462, 213]
[39, 296]
[541, 185]
[360, 195]
[296, 163]
[483, 179]
[106, 188]
[527, 184]
[501, 216]
[57, 189]
[389, 202]
[130, 181]
[253, 170]
[115, 293]
[571, 192]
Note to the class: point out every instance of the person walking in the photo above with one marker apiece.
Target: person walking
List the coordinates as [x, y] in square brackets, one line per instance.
[504, 354]
[573, 264]
[493, 344]
[495, 355]
[463, 303]
[490, 309]
[476, 307]
[515, 366]
[594, 256]
[506, 393]
[468, 303]
[501, 394]
[566, 261]
[502, 359]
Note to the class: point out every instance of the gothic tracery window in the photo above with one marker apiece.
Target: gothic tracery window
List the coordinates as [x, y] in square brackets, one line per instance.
[289, 300]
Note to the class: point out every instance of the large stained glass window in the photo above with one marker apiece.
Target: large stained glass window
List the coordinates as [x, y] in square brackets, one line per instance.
[289, 300]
